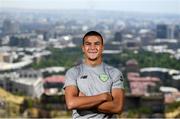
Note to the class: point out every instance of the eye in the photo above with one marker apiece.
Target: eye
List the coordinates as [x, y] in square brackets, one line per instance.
[87, 43]
[97, 43]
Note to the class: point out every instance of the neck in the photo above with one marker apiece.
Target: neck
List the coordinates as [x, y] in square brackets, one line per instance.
[93, 62]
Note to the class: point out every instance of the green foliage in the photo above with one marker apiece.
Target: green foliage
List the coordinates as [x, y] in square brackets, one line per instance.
[173, 106]
[149, 59]
[135, 113]
[69, 56]
[29, 103]
[60, 57]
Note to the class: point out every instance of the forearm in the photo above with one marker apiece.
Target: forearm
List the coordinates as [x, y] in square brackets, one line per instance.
[109, 107]
[85, 102]
[77, 100]
[115, 105]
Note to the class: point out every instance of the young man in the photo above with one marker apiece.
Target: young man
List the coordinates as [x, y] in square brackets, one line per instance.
[94, 89]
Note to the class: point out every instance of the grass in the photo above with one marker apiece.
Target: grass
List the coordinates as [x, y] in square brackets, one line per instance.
[8, 97]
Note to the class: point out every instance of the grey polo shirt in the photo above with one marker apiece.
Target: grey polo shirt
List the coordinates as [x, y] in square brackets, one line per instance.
[92, 81]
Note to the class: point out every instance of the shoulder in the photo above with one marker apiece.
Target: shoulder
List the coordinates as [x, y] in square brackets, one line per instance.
[112, 70]
[73, 70]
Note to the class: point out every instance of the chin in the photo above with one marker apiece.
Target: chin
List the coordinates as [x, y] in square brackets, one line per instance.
[93, 59]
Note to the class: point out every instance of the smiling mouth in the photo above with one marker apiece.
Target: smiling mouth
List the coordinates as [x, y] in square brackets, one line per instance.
[92, 52]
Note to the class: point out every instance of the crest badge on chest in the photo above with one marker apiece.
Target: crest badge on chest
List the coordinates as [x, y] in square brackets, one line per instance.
[103, 77]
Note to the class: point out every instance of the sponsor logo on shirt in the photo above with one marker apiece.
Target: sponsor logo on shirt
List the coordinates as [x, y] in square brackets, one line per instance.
[84, 76]
[121, 78]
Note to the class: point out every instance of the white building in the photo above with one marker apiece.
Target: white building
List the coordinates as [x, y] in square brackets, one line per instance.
[25, 82]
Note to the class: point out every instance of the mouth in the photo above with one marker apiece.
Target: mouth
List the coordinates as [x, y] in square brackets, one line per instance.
[92, 55]
[92, 52]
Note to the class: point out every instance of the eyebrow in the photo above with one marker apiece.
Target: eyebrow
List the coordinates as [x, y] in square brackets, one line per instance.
[92, 42]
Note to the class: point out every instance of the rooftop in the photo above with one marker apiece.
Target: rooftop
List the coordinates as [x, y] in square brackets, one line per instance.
[54, 79]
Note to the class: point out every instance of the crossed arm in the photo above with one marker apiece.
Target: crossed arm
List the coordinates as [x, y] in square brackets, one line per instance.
[104, 102]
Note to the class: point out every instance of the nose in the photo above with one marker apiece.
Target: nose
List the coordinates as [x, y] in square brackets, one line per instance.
[92, 46]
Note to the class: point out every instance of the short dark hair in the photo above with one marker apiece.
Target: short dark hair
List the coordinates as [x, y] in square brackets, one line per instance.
[92, 33]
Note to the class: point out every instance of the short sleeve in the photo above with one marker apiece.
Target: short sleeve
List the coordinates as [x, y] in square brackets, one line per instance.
[71, 77]
[118, 80]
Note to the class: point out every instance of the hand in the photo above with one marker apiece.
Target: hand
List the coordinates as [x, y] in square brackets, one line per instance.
[106, 96]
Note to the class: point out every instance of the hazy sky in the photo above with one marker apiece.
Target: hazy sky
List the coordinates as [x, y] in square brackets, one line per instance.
[153, 6]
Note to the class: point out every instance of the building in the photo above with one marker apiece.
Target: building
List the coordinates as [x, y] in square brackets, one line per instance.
[132, 66]
[6, 57]
[146, 36]
[177, 32]
[10, 27]
[130, 42]
[53, 85]
[153, 103]
[118, 36]
[170, 94]
[23, 82]
[77, 40]
[14, 66]
[19, 41]
[169, 77]
[169, 43]
[142, 85]
[162, 31]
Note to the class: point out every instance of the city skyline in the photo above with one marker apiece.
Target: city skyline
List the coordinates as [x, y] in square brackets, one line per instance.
[145, 6]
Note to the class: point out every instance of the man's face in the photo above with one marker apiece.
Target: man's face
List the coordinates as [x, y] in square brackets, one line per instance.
[92, 47]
